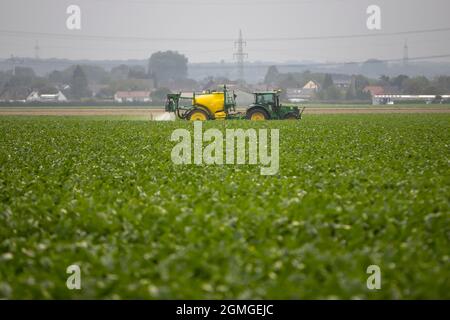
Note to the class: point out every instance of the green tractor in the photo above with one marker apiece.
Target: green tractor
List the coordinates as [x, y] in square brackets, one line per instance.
[267, 106]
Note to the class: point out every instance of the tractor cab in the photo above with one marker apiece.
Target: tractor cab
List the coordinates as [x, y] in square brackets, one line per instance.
[268, 99]
[267, 106]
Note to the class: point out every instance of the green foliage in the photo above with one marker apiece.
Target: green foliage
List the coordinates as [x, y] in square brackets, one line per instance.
[130, 85]
[327, 82]
[331, 94]
[416, 85]
[167, 65]
[288, 82]
[43, 86]
[356, 89]
[137, 72]
[352, 191]
[160, 95]
[23, 76]
[120, 72]
[79, 84]
[271, 75]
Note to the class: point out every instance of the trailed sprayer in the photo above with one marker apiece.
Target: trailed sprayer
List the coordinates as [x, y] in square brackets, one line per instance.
[221, 105]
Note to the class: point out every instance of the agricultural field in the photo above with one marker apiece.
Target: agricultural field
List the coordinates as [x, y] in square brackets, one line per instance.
[103, 193]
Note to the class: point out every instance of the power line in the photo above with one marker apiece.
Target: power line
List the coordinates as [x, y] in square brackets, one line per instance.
[223, 49]
[16, 60]
[352, 36]
[330, 64]
[154, 39]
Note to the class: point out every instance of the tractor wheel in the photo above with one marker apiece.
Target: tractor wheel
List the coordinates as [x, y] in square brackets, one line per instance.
[257, 115]
[290, 116]
[197, 115]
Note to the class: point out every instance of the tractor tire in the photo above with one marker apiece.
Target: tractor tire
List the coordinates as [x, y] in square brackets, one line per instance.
[290, 116]
[198, 115]
[257, 115]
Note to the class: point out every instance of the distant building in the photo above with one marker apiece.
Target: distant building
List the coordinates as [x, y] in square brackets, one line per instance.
[35, 96]
[393, 98]
[342, 81]
[374, 90]
[305, 93]
[132, 96]
[312, 85]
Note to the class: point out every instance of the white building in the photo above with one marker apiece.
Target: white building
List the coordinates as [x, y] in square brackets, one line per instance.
[132, 96]
[35, 96]
[392, 98]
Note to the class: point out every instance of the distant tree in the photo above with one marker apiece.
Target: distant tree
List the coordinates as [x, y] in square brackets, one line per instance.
[416, 85]
[431, 89]
[57, 77]
[271, 75]
[4, 78]
[120, 72]
[327, 82]
[443, 84]
[43, 85]
[160, 95]
[351, 91]
[25, 72]
[137, 72]
[95, 74]
[356, 88]
[398, 81]
[332, 93]
[374, 68]
[361, 82]
[130, 85]
[79, 84]
[23, 77]
[168, 65]
[384, 80]
[288, 81]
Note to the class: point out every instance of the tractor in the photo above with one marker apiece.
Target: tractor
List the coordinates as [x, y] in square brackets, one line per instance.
[267, 106]
[221, 105]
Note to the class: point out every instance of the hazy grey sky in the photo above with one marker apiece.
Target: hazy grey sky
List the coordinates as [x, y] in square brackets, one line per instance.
[106, 25]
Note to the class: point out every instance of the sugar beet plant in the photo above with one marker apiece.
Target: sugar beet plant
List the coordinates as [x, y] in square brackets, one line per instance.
[351, 191]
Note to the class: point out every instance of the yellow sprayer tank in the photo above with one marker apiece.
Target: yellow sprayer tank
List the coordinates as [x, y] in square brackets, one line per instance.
[213, 101]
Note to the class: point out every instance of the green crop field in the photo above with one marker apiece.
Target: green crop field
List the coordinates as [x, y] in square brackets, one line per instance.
[352, 191]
